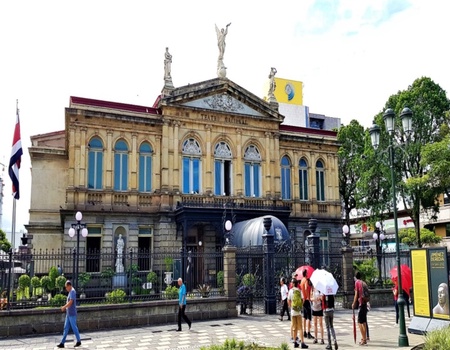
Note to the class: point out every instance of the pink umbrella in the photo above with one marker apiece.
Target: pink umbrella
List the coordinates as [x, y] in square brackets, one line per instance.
[299, 271]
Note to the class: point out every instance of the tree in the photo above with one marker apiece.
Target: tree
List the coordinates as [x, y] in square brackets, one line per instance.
[5, 245]
[350, 160]
[408, 236]
[429, 104]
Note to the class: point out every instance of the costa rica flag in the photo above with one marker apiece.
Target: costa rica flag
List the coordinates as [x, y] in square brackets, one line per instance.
[16, 157]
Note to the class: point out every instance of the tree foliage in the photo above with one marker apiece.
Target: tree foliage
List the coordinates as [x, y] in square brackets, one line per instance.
[350, 162]
[409, 237]
[5, 245]
[429, 104]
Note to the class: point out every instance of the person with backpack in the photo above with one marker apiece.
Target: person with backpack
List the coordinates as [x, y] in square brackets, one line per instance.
[362, 297]
[328, 312]
[295, 302]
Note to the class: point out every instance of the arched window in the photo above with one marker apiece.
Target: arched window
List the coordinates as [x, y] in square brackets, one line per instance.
[145, 167]
[95, 163]
[222, 169]
[191, 166]
[320, 181]
[120, 166]
[252, 171]
[285, 178]
[303, 177]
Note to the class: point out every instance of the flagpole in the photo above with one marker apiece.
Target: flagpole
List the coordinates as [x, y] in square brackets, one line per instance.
[13, 225]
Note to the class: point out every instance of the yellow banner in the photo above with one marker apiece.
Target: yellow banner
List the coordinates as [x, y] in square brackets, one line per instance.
[289, 91]
[420, 282]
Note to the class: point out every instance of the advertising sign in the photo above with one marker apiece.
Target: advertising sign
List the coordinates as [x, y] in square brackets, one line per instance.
[437, 260]
[289, 91]
[419, 262]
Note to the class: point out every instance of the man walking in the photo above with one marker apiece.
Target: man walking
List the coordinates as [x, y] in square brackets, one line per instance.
[182, 304]
[284, 302]
[362, 313]
[71, 315]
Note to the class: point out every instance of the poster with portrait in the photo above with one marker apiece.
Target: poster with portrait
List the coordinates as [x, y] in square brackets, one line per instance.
[440, 303]
[419, 264]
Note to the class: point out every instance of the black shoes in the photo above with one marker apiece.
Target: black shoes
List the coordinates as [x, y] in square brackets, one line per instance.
[310, 336]
[178, 330]
[190, 324]
[305, 334]
[304, 346]
[60, 345]
[77, 344]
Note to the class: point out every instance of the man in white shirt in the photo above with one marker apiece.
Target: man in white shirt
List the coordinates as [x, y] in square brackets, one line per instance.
[284, 302]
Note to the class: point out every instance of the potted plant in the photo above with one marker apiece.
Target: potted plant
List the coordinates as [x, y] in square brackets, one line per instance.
[24, 283]
[35, 283]
[83, 280]
[152, 279]
[168, 262]
[53, 273]
[45, 284]
[204, 290]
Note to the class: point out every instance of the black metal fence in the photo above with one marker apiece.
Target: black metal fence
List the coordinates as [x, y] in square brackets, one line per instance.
[141, 275]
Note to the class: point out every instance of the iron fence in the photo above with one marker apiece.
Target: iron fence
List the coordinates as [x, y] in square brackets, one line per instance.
[145, 275]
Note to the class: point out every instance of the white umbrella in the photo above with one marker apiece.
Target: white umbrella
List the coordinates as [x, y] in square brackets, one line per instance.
[324, 282]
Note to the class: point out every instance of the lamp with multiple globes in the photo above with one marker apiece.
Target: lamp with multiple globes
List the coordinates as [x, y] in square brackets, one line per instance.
[77, 229]
[389, 120]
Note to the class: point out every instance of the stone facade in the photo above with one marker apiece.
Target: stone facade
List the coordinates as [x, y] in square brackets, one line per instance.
[172, 214]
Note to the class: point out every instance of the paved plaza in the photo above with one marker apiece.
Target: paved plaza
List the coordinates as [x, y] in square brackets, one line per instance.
[262, 329]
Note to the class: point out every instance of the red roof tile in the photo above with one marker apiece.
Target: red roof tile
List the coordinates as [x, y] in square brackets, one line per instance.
[292, 128]
[113, 105]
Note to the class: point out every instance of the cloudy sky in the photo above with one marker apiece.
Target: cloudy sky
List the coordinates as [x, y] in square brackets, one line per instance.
[351, 56]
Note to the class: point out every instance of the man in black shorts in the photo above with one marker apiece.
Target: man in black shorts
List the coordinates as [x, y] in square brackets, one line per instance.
[362, 313]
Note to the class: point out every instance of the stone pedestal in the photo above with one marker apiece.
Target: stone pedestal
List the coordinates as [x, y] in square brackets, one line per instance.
[119, 281]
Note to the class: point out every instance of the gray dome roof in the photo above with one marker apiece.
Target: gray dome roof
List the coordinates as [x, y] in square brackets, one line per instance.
[250, 232]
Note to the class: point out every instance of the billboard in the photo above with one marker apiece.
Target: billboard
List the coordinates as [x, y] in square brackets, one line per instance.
[288, 91]
[430, 283]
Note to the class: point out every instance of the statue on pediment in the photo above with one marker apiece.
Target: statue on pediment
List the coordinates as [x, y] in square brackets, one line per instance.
[167, 65]
[221, 35]
[272, 86]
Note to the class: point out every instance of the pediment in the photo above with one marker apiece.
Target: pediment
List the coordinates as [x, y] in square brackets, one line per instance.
[221, 95]
[223, 102]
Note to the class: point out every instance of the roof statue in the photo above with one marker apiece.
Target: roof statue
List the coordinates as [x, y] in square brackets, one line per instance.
[221, 35]
[272, 86]
[168, 85]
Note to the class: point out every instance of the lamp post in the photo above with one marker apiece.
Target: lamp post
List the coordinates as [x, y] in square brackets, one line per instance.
[378, 236]
[77, 228]
[346, 234]
[389, 120]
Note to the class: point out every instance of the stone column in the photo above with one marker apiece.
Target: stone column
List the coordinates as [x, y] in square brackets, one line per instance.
[269, 252]
[348, 283]
[229, 270]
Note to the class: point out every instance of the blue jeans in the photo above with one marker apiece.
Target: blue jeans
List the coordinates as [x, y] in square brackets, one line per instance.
[71, 322]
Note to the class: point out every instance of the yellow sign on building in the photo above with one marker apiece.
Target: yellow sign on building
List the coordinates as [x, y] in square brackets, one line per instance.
[289, 91]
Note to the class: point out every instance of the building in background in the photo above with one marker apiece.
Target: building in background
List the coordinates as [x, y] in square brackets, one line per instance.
[168, 175]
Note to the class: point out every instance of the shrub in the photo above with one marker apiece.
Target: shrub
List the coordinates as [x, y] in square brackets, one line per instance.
[60, 282]
[58, 300]
[35, 283]
[24, 282]
[220, 277]
[53, 274]
[168, 262]
[152, 277]
[106, 276]
[83, 280]
[437, 339]
[204, 290]
[171, 292]
[116, 296]
[248, 280]
[45, 283]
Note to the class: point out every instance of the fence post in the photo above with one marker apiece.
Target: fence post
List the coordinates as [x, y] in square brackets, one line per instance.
[348, 283]
[269, 251]
[9, 279]
[229, 271]
[130, 276]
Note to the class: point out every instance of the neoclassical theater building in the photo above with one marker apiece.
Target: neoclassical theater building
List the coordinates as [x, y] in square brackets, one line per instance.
[170, 175]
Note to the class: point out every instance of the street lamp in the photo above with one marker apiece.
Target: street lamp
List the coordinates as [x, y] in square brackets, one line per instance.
[346, 234]
[378, 237]
[77, 228]
[389, 120]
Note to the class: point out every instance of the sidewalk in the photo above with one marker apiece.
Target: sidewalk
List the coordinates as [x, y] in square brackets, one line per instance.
[262, 329]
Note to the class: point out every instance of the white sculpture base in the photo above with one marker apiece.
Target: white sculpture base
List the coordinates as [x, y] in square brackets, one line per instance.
[119, 281]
